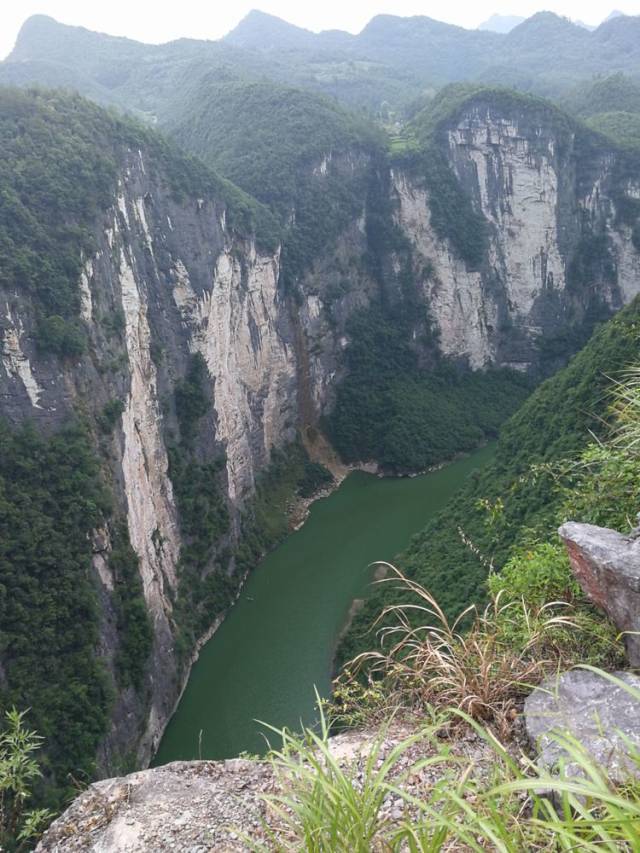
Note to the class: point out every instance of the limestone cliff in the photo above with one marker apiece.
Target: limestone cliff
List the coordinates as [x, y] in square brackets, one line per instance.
[558, 251]
[166, 279]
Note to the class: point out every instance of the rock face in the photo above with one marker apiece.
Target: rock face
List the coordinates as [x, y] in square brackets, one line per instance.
[607, 566]
[604, 717]
[556, 249]
[195, 806]
[168, 278]
[207, 806]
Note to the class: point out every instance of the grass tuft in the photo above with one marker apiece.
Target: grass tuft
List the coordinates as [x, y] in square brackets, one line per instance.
[470, 664]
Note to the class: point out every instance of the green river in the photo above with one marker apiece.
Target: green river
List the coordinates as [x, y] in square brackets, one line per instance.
[279, 639]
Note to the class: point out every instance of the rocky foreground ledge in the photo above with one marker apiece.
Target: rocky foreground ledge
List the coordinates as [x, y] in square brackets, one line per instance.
[206, 806]
[197, 806]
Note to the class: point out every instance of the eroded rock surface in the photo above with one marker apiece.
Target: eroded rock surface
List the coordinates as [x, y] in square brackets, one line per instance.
[604, 717]
[198, 806]
[607, 566]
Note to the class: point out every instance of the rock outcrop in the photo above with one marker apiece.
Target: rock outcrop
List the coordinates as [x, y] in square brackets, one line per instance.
[603, 716]
[195, 806]
[207, 806]
[607, 566]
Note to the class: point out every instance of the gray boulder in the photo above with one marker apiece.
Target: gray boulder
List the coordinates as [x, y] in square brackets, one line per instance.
[607, 566]
[598, 713]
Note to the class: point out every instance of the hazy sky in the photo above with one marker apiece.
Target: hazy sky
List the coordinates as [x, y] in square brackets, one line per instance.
[157, 22]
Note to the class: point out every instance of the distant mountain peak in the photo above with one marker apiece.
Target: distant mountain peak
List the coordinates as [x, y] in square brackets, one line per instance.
[501, 23]
[39, 21]
[549, 22]
[258, 17]
[257, 25]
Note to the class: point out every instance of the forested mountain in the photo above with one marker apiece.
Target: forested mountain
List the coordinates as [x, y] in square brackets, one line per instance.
[613, 93]
[609, 105]
[196, 286]
[544, 54]
[391, 62]
[262, 135]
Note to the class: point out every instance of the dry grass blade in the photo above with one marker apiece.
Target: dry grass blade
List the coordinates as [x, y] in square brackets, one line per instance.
[468, 663]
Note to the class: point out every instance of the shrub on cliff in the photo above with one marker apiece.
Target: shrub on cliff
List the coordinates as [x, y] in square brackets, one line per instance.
[484, 661]
[19, 826]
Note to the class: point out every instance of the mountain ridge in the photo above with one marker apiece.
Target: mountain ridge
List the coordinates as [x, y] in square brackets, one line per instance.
[391, 60]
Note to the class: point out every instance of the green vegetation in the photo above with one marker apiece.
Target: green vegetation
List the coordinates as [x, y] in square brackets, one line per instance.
[322, 807]
[135, 633]
[452, 214]
[64, 337]
[205, 588]
[261, 135]
[620, 127]
[271, 140]
[614, 93]
[191, 400]
[482, 663]
[18, 771]
[609, 105]
[61, 155]
[110, 415]
[389, 410]
[55, 177]
[328, 805]
[430, 123]
[515, 504]
[51, 498]
[314, 478]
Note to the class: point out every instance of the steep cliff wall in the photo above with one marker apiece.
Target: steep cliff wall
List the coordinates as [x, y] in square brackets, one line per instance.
[170, 270]
[557, 254]
[166, 277]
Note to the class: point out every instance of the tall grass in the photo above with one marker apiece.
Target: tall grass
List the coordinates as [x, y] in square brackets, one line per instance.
[625, 392]
[472, 671]
[328, 807]
[471, 664]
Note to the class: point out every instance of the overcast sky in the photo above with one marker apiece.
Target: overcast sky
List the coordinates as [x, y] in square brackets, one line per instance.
[157, 22]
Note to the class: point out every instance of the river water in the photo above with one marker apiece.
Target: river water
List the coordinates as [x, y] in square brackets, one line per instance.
[278, 641]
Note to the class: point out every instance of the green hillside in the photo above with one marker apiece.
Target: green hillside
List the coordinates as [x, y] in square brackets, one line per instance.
[261, 135]
[515, 501]
[614, 93]
[380, 70]
[58, 173]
